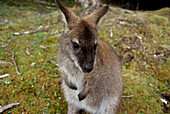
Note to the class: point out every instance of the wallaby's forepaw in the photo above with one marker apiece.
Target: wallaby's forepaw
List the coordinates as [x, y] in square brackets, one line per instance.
[81, 97]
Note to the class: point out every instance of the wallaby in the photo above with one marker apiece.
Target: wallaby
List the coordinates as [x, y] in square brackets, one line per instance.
[89, 67]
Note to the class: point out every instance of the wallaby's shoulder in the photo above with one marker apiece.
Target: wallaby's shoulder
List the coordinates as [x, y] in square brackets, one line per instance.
[106, 52]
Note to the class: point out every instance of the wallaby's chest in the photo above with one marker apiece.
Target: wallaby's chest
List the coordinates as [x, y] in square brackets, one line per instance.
[72, 73]
[76, 77]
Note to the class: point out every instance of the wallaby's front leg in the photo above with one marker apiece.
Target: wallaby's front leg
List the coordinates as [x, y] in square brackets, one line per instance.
[85, 90]
[89, 84]
[83, 93]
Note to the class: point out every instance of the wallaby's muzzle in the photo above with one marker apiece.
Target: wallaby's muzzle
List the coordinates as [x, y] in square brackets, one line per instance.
[87, 58]
[86, 62]
[87, 68]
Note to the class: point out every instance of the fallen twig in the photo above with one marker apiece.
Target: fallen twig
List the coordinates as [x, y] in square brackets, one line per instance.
[111, 33]
[1, 62]
[127, 96]
[15, 65]
[7, 21]
[55, 63]
[8, 106]
[27, 51]
[26, 32]
[53, 33]
[30, 32]
[5, 44]
[44, 3]
[16, 68]
[43, 47]
[139, 37]
[33, 64]
[125, 23]
[5, 75]
[124, 10]
[164, 101]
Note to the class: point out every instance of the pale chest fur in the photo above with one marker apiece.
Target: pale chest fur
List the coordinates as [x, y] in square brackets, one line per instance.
[74, 75]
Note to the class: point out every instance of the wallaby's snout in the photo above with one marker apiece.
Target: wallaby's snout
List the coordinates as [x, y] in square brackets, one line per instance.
[88, 68]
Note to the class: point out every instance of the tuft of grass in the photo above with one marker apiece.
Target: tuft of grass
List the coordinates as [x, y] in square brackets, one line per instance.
[38, 89]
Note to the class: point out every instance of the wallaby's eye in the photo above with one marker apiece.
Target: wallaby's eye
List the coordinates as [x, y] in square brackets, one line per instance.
[75, 46]
[95, 46]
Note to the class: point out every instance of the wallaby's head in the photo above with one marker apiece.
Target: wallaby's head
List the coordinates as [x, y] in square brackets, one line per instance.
[79, 41]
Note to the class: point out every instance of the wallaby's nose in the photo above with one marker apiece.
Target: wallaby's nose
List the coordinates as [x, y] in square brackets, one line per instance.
[88, 68]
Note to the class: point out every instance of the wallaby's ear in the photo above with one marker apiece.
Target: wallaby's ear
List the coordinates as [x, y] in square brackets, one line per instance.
[96, 16]
[69, 15]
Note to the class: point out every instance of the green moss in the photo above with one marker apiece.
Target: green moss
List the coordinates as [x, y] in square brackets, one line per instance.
[158, 20]
[38, 88]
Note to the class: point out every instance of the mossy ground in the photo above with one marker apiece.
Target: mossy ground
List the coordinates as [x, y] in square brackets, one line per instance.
[144, 35]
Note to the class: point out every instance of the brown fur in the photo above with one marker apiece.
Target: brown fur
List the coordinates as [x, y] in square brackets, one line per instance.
[89, 82]
[90, 68]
